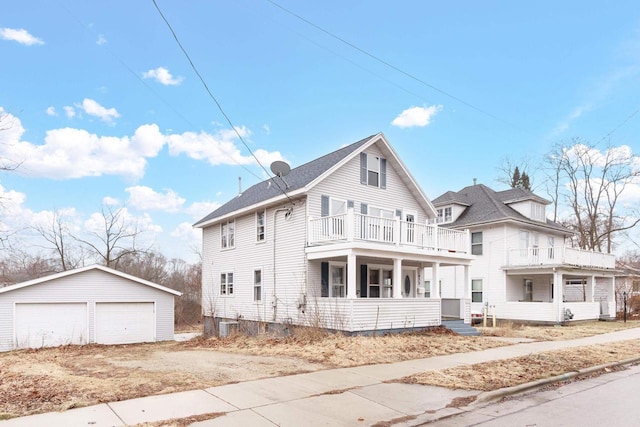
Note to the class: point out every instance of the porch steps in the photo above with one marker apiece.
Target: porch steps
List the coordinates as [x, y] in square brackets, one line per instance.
[460, 328]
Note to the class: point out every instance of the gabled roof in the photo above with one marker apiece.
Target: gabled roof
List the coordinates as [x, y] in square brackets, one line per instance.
[486, 205]
[305, 176]
[82, 270]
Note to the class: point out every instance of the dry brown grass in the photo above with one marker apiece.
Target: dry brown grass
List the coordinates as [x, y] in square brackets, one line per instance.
[553, 333]
[339, 351]
[511, 372]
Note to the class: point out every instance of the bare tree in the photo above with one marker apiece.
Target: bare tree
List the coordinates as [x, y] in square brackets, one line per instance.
[591, 181]
[57, 233]
[116, 238]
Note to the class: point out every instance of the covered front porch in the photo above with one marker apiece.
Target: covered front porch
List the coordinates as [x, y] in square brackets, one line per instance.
[367, 287]
[553, 295]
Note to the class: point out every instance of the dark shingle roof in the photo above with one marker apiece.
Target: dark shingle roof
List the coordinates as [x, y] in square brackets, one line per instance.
[298, 178]
[486, 205]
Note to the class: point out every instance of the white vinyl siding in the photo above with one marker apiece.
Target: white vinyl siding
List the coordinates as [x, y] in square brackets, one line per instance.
[89, 288]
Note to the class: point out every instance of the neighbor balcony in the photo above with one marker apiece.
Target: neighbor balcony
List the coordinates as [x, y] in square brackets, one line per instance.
[352, 227]
[554, 256]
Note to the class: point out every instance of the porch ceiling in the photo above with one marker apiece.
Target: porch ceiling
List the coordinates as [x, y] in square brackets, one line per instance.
[385, 251]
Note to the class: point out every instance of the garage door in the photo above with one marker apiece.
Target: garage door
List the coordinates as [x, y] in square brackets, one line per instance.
[50, 324]
[125, 322]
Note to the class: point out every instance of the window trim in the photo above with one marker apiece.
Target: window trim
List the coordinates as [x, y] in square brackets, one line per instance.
[228, 290]
[333, 265]
[367, 167]
[224, 235]
[256, 286]
[264, 226]
[481, 291]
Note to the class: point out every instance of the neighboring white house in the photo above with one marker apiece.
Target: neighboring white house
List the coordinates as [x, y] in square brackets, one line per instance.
[340, 242]
[524, 269]
[93, 304]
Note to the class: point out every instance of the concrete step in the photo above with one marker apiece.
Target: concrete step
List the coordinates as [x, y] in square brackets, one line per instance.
[460, 328]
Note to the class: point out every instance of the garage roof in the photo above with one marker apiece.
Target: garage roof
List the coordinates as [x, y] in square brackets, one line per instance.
[84, 269]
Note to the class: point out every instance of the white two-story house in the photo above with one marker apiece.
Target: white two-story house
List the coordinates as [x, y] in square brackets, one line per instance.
[523, 269]
[340, 242]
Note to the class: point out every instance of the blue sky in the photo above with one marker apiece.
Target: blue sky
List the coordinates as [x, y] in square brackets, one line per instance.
[105, 109]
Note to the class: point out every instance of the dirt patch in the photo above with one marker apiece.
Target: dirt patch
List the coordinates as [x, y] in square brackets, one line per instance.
[511, 372]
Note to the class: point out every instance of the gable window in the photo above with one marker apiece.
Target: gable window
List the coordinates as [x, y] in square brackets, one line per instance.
[226, 283]
[528, 290]
[476, 290]
[476, 243]
[260, 226]
[373, 170]
[228, 234]
[257, 285]
[444, 214]
[537, 211]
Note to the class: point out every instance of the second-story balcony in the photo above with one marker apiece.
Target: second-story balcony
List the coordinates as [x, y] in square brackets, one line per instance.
[353, 226]
[553, 256]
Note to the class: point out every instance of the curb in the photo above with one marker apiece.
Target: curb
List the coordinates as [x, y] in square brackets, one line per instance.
[508, 391]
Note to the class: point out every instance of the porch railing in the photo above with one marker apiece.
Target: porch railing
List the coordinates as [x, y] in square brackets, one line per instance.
[559, 255]
[393, 231]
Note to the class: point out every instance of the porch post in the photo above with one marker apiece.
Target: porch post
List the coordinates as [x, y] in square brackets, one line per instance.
[351, 276]
[435, 280]
[467, 283]
[557, 294]
[593, 289]
[397, 278]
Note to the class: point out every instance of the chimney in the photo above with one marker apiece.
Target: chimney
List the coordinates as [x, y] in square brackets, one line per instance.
[239, 185]
[475, 181]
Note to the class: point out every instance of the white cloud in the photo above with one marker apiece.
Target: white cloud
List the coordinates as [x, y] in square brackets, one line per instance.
[185, 232]
[162, 76]
[219, 148]
[92, 108]
[199, 210]
[110, 201]
[51, 111]
[70, 112]
[75, 153]
[416, 116]
[21, 36]
[145, 198]
[101, 40]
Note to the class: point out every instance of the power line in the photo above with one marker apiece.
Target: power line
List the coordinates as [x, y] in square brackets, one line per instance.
[212, 96]
[389, 65]
[618, 126]
[144, 83]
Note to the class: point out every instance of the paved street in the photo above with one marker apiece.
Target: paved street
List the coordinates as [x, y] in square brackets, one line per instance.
[607, 400]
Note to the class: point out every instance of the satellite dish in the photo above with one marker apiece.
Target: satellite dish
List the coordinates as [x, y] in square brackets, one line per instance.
[280, 168]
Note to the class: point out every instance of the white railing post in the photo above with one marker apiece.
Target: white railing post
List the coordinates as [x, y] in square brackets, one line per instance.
[436, 235]
[350, 226]
[467, 234]
[396, 231]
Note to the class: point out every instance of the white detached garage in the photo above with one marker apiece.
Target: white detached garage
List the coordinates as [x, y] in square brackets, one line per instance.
[93, 304]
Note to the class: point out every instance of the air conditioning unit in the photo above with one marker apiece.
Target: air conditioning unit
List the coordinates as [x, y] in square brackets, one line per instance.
[227, 328]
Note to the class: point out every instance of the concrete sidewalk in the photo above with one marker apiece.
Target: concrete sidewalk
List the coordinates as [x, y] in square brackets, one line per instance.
[347, 397]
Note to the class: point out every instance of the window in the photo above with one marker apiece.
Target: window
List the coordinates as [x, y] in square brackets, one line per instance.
[257, 285]
[260, 226]
[537, 211]
[476, 243]
[524, 243]
[381, 227]
[373, 170]
[226, 284]
[427, 288]
[228, 234]
[476, 290]
[337, 210]
[338, 288]
[444, 215]
[528, 290]
[551, 244]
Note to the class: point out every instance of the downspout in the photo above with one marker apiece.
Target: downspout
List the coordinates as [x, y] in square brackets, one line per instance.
[274, 301]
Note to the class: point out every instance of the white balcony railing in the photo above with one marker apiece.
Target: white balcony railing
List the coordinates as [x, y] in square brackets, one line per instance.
[559, 256]
[358, 227]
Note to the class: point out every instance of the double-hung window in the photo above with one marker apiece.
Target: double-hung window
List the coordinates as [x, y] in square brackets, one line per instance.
[228, 234]
[338, 281]
[257, 285]
[476, 290]
[444, 215]
[476, 243]
[260, 226]
[226, 283]
[373, 170]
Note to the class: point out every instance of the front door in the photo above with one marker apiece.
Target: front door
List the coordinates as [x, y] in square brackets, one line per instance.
[408, 283]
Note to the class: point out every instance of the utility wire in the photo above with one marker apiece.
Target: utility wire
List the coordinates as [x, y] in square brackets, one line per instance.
[619, 126]
[212, 96]
[388, 64]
